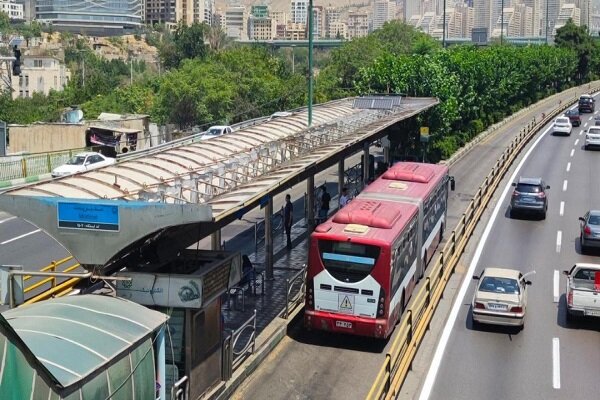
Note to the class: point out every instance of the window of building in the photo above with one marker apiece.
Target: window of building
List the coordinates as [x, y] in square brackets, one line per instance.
[55, 81]
[27, 80]
[37, 63]
[27, 93]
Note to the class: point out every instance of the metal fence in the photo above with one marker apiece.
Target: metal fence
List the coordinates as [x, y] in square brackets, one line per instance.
[416, 319]
[295, 289]
[23, 166]
[238, 346]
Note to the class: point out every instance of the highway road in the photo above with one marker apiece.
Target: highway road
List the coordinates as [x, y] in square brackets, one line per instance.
[315, 365]
[549, 359]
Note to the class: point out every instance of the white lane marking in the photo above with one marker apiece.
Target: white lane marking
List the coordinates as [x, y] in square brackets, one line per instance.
[572, 152]
[555, 363]
[7, 219]
[20, 237]
[580, 132]
[568, 167]
[576, 141]
[565, 183]
[458, 302]
[595, 112]
[591, 117]
[556, 284]
[558, 241]
[584, 125]
[562, 208]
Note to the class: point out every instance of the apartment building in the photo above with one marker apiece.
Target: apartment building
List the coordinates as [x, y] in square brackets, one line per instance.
[13, 9]
[40, 74]
[358, 24]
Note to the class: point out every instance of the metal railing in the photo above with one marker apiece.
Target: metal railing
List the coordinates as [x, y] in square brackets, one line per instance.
[179, 391]
[233, 356]
[417, 318]
[25, 165]
[259, 228]
[52, 280]
[295, 291]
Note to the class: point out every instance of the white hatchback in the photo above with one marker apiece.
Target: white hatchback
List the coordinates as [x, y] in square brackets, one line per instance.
[82, 162]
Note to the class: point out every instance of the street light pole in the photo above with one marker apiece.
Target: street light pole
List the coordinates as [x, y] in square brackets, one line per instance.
[310, 61]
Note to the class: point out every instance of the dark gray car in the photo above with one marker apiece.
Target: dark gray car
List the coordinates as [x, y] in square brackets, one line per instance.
[529, 196]
[589, 230]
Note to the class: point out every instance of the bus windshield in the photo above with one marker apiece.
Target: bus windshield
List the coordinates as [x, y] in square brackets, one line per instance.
[348, 262]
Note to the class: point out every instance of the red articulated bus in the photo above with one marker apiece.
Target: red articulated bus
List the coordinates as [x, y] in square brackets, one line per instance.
[365, 261]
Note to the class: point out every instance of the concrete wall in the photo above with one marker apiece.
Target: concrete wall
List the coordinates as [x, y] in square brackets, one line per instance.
[43, 138]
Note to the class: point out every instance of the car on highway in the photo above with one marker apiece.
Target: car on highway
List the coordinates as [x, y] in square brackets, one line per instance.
[216, 131]
[529, 196]
[82, 162]
[589, 230]
[574, 117]
[562, 126]
[586, 103]
[592, 137]
[500, 297]
[583, 286]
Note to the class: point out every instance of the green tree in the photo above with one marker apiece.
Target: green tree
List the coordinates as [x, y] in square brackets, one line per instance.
[577, 38]
[186, 43]
[4, 23]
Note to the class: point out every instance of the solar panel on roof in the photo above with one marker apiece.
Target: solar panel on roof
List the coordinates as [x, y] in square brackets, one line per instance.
[376, 103]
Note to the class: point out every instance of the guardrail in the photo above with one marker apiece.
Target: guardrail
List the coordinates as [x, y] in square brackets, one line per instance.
[416, 319]
[292, 300]
[22, 166]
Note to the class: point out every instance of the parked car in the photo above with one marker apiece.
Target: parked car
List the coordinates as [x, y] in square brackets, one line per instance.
[592, 137]
[583, 285]
[500, 297]
[215, 131]
[562, 126]
[82, 162]
[529, 196]
[589, 230]
[586, 103]
[574, 117]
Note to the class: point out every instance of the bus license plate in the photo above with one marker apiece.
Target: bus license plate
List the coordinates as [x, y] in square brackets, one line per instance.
[343, 324]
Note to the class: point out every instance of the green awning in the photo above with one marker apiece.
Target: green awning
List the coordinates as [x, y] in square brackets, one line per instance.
[73, 337]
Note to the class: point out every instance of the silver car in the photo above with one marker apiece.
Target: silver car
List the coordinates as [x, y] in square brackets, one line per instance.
[592, 137]
[562, 126]
[501, 297]
[589, 230]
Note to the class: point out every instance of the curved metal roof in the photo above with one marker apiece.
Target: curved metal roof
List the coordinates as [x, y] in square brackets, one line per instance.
[74, 336]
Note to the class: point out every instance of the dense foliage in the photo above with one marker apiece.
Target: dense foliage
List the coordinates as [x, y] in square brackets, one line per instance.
[208, 79]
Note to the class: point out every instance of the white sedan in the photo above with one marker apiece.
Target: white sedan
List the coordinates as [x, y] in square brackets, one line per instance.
[83, 162]
[501, 297]
[216, 131]
[562, 126]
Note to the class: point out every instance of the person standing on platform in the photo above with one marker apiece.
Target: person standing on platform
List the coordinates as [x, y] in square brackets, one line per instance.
[288, 217]
[344, 197]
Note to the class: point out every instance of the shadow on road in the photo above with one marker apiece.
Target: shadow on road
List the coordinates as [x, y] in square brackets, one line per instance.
[297, 332]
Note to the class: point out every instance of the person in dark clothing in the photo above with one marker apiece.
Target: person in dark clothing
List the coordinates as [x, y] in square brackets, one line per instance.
[288, 216]
[248, 273]
[325, 200]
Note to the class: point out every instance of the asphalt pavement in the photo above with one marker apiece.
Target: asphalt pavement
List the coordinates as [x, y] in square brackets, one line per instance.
[548, 359]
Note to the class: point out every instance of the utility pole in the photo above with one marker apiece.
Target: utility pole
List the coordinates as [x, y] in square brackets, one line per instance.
[83, 71]
[310, 61]
[131, 73]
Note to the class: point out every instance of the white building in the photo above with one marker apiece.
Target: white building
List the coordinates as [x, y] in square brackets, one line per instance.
[261, 28]
[358, 24]
[299, 11]
[13, 9]
[567, 12]
[40, 74]
[236, 20]
[412, 8]
[383, 11]
[332, 16]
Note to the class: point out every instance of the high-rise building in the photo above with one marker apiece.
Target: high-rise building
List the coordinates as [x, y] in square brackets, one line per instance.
[483, 15]
[280, 17]
[332, 16]
[337, 30]
[318, 22]
[13, 9]
[358, 24]
[97, 18]
[160, 11]
[467, 18]
[28, 9]
[567, 12]
[261, 28]
[537, 16]
[299, 11]
[260, 11]
[411, 7]
[236, 18]
[383, 11]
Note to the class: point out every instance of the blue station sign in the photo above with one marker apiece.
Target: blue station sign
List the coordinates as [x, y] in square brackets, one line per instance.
[88, 216]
